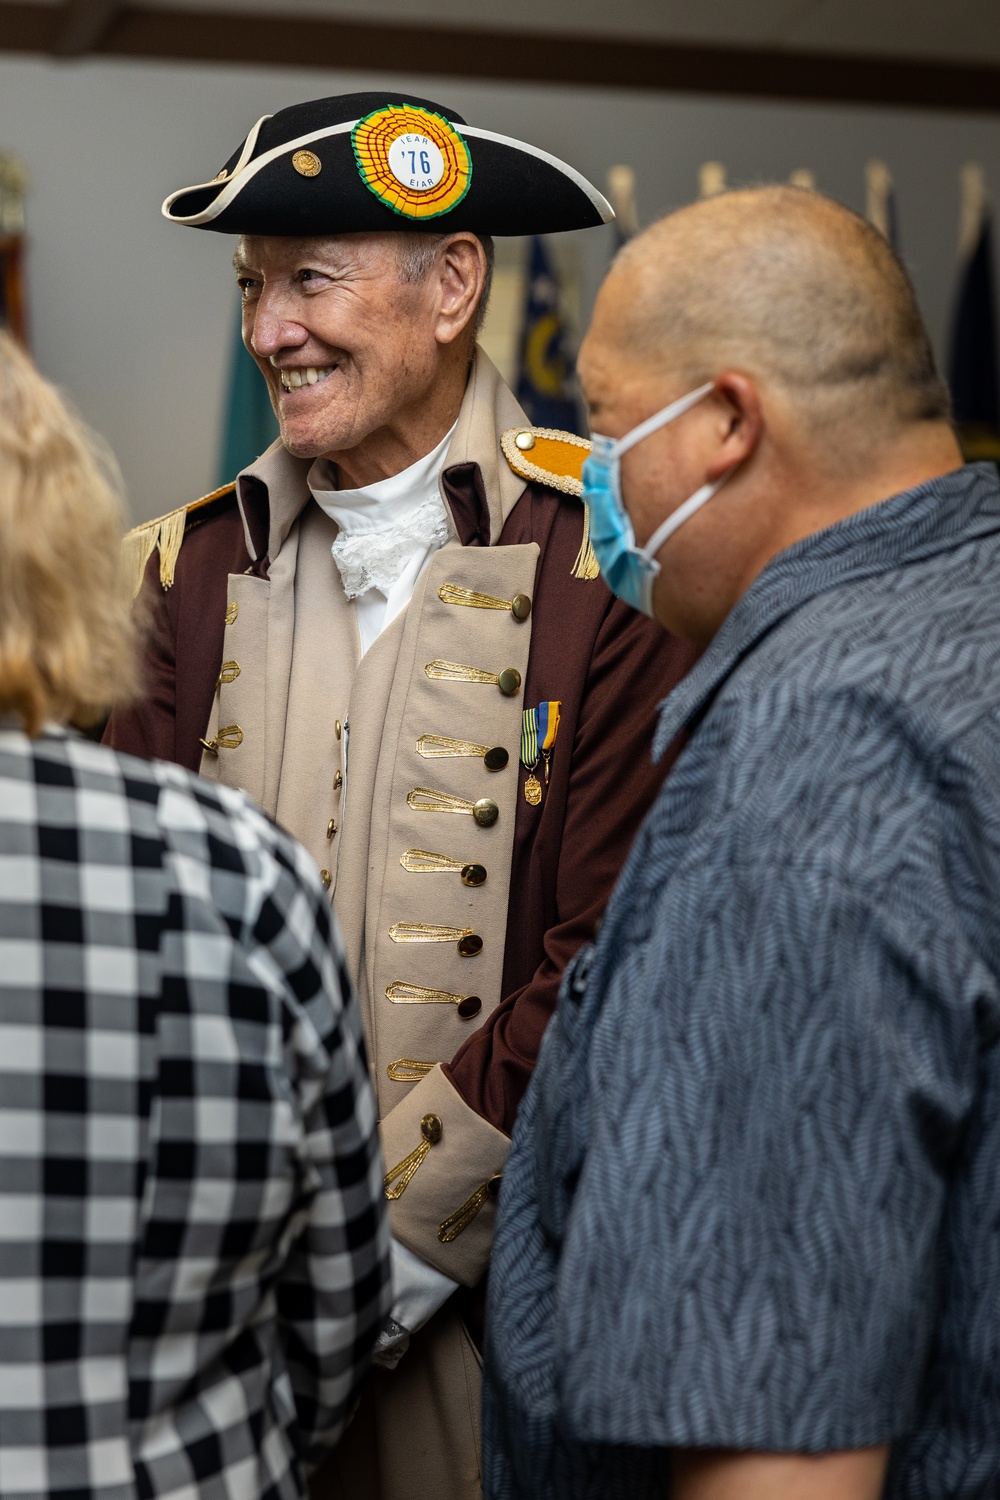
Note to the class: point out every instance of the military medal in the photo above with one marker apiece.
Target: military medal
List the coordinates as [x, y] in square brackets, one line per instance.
[539, 727]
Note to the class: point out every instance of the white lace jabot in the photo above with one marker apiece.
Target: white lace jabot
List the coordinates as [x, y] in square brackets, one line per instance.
[387, 532]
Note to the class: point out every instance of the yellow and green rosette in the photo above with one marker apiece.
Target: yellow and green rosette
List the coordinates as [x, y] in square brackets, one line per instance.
[414, 161]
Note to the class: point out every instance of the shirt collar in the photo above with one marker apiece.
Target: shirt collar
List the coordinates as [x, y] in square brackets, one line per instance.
[907, 528]
[380, 506]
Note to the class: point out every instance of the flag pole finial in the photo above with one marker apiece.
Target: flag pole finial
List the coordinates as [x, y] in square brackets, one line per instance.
[973, 204]
[711, 179]
[878, 188]
[621, 192]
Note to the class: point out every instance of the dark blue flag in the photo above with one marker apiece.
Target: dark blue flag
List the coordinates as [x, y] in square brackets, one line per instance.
[546, 382]
[249, 423]
[975, 390]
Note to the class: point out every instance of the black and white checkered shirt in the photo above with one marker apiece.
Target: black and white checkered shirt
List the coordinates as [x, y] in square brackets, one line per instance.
[193, 1243]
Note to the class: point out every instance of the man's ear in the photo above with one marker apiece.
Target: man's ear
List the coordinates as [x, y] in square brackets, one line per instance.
[741, 421]
[461, 272]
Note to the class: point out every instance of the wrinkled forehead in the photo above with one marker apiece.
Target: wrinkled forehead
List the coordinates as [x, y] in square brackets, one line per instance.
[277, 253]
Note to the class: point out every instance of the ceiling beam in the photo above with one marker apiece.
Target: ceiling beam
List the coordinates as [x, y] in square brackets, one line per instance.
[83, 26]
[467, 52]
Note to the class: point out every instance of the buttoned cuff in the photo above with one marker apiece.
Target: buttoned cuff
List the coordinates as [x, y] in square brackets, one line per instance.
[444, 1164]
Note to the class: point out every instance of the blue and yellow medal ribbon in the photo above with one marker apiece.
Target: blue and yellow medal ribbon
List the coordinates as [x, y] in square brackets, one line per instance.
[539, 727]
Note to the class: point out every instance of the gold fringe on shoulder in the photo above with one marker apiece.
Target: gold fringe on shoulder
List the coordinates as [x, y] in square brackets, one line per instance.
[137, 549]
[586, 565]
[170, 538]
[167, 533]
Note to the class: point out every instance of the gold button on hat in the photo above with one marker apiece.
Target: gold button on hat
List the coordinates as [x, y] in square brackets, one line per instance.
[520, 606]
[431, 1129]
[496, 759]
[469, 1007]
[473, 875]
[509, 681]
[485, 812]
[307, 164]
[470, 945]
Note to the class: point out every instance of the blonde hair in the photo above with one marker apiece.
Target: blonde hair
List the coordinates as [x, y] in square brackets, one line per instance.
[66, 639]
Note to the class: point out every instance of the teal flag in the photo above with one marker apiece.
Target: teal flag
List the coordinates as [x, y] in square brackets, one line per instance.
[249, 423]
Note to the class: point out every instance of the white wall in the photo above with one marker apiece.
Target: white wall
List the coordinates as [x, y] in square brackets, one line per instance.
[133, 315]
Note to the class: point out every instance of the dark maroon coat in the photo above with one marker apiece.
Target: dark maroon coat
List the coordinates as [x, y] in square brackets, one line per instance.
[607, 665]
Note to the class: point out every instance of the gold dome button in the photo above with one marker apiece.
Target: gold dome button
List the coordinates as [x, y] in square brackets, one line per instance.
[338, 728]
[473, 875]
[338, 780]
[431, 1129]
[525, 441]
[326, 878]
[470, 945]
[307, 164]
[331, 828]
[520, 606]
[469, 1007]
[509, 681]
[496, 759]
[485, 812]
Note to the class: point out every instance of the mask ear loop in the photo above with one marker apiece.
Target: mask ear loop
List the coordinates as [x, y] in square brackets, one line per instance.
[682, 514]
[660, 419]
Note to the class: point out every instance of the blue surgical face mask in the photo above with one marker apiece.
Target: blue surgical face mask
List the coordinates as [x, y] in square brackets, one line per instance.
[628, 570]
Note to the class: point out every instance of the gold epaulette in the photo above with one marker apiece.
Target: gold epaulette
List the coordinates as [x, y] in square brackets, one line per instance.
[167, 534]
[556, 459]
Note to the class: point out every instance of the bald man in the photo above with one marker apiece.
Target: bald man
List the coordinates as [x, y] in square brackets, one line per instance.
[749, 1236]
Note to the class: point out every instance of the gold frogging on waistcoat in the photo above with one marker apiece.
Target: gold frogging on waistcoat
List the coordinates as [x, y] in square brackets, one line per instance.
[426, 862]
[463, 1217]
[425, 799]
[403, 1172]
[401, 993]
[453, 593]
[508, 680]
[409, 1069]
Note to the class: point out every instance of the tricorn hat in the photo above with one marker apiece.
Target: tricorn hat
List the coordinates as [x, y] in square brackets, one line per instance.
[357, 163]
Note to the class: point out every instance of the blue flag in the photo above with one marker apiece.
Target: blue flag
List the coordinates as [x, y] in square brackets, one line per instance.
[546, 385]
[249, 423]
[973, 371]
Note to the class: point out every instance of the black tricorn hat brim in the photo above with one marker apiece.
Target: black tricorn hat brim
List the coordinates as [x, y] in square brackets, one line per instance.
[513, 189]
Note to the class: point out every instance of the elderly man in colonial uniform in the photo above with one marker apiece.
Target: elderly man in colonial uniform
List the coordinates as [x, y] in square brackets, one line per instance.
[391, 631]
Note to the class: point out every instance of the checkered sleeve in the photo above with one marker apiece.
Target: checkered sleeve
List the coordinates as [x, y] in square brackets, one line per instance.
[265, 1180]
[333, 1293]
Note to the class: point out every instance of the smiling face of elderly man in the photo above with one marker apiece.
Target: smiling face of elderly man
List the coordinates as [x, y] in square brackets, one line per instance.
[364, 340]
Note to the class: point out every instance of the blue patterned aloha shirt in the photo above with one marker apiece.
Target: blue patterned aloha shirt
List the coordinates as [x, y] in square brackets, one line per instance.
[753, 1199]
